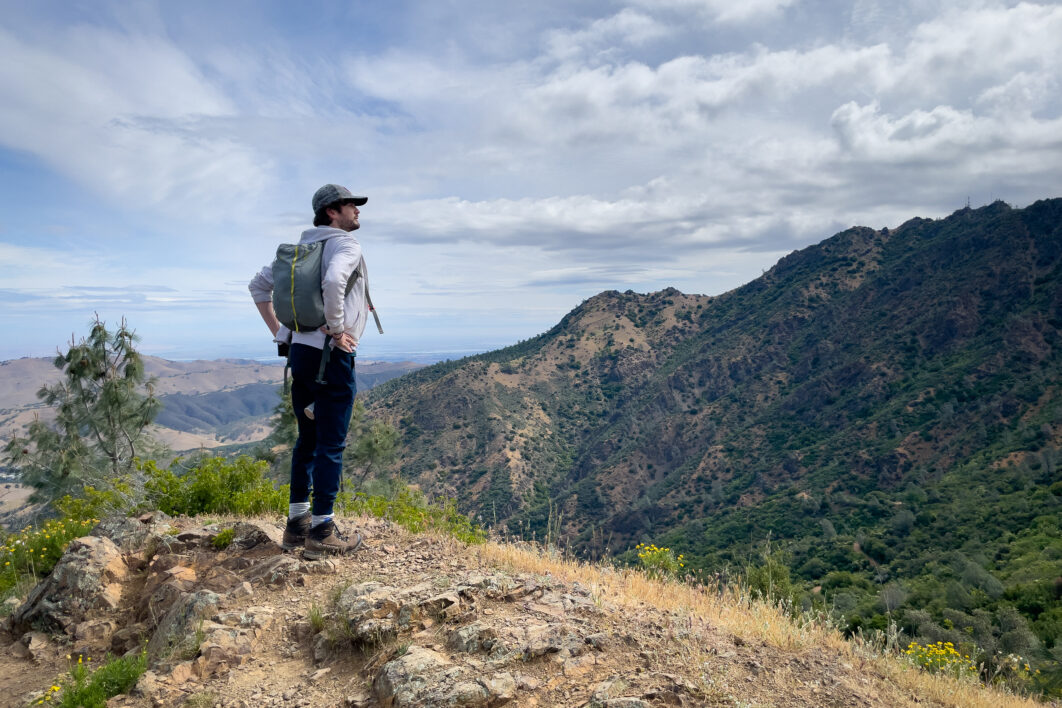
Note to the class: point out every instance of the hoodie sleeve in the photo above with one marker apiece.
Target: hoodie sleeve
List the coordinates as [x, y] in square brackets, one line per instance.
[341, 265]
[261, 285]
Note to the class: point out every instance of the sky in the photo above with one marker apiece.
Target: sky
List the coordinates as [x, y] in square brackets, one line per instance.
[518, 157]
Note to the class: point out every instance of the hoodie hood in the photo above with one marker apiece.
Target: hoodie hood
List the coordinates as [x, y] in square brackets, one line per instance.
[320, 233]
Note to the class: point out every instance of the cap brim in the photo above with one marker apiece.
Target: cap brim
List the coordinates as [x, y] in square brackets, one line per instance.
[358, 201]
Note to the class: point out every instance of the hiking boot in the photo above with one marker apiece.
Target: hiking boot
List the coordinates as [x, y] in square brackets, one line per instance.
[295, 532]
[325, 539]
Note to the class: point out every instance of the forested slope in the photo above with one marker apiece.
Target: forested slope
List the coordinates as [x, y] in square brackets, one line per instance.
[883, 405]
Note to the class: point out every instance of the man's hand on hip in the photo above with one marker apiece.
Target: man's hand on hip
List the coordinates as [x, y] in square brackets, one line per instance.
[345, 342]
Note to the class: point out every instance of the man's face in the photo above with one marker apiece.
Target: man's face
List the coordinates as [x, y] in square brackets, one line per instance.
[345, 216]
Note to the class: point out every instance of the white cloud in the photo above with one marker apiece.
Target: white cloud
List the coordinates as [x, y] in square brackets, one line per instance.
[723, 11]
[949, 138]
[638, 144]
[120, 114]
[1024, 92]
[603, 38]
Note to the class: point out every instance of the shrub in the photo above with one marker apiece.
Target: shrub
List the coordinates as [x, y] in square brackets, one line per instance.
[214, 486]
[659, 562]
[34, 552]
[223, 539]
[941, 658]
[91, 689]
[94, 503]
[770, 581]
[411, 510]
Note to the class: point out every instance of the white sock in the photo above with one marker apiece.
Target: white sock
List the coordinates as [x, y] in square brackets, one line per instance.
[298, 509]
[316, 520]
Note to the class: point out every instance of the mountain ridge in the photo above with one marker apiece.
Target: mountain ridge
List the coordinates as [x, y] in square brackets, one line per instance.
[846, 405]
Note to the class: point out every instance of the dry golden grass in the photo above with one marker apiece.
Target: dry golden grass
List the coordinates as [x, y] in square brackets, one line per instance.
[736, 613]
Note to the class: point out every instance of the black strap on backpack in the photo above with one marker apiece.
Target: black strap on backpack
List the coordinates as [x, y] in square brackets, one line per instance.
[325, 353]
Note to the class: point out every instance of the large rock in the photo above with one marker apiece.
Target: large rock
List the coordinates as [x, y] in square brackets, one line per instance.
[553, 639]
[405, 681]
[422, 677]
[275, 571]
[471, 638]
[176, 634]
[370, 612]
[33, 646]
[264, 538]
[87, 578]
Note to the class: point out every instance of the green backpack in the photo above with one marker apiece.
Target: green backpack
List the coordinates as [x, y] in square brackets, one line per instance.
[297, 298]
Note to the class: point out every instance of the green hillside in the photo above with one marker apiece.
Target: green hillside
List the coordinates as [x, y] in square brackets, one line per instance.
[882, 406]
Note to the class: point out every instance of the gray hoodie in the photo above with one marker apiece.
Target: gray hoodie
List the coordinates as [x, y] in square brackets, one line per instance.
[342, 254]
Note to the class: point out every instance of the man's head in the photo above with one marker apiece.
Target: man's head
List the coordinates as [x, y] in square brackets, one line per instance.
[335, 206]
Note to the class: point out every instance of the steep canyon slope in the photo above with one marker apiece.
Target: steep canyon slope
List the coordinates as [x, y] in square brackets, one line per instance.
[871, 361]
[884, 404]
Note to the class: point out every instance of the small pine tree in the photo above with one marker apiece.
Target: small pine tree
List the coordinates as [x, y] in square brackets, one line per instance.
[284, 431]
[101, 419]
[370, 443]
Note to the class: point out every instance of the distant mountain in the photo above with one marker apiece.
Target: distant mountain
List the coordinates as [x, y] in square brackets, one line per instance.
[231, 412]
[205, 402]
[883, 406]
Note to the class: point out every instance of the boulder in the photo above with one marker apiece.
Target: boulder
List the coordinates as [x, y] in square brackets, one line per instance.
[262, 537]
[405, 682]
[129, 638]
[33, 646]
[466, 694]
[88, 577]
[177, 630]
[275, 571]
[95, 633]
[471, 638]
[501, 688]
[552, 639]
[370, 612]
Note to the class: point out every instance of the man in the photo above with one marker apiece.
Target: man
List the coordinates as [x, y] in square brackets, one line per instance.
[317, 460]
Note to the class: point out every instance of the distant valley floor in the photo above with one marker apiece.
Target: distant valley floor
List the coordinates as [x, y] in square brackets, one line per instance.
[206, 403]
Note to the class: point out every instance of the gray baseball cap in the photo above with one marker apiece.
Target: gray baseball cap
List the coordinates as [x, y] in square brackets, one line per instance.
[332, 193]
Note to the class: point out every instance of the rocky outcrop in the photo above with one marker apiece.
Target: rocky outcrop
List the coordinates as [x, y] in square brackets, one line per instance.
[407, 621]
[89, 578]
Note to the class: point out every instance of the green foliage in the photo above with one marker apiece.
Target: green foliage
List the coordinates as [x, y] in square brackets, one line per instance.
[214, 486]
[770, 579]
[370, 444]
[32, 553]
[223, 539]
[92, 503]
[884, 404]
[317, 618]
[285, 428]
[411, 510]
[89, 688]
[102, 415]
[941, 658]
[659, 562]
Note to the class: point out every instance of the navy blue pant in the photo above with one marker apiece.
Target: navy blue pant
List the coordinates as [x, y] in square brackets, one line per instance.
[317, 460]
